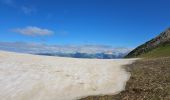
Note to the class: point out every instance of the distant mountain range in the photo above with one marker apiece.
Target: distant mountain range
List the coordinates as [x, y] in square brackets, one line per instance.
[156, 47]
[75, 51]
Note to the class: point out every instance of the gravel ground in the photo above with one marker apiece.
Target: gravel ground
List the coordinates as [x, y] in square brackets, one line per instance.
[150, 80]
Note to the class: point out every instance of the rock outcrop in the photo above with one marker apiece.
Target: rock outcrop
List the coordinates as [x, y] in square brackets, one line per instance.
[162, 39]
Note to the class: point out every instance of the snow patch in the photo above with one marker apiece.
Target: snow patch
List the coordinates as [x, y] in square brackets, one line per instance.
[34, 77]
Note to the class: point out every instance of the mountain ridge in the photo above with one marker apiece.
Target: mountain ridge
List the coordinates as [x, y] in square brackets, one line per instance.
[80, 51]
[163, 39]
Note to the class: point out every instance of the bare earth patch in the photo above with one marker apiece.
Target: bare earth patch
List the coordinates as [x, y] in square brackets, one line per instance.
[150, 80]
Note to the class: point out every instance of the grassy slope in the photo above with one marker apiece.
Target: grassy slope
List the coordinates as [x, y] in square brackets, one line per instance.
[150, 80]
[161, 51]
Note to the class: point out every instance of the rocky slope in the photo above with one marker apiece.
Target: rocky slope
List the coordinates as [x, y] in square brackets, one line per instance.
[161, 40]
[150, 80]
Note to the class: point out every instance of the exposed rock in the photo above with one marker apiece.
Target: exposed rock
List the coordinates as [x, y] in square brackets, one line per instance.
[162, 39]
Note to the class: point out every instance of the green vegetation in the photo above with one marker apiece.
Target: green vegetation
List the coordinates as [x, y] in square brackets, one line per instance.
[156, 47]
[150, 76]
[161, 51]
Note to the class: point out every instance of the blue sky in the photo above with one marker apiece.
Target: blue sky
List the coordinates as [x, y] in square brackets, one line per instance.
[119, 23]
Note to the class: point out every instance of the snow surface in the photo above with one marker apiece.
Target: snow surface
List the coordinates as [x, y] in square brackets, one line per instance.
[34, 77]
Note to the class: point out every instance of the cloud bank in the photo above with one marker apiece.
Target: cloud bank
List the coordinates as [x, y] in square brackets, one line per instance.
[33, 31]
[77, 51]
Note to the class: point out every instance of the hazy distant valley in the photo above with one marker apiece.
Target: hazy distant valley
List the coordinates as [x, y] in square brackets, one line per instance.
[75, 51]
[85, 50]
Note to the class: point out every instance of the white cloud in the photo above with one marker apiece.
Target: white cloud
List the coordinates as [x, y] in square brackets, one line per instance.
[8, 2]
[28, 10]
[33, 31]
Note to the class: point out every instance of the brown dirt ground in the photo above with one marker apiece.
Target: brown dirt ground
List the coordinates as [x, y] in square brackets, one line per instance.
[150, 80]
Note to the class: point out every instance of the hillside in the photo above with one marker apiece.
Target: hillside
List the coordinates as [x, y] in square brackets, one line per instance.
[150, 77]
[150, 80]
[161, 51]
[156, 47]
